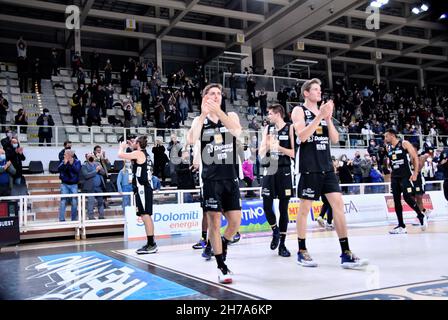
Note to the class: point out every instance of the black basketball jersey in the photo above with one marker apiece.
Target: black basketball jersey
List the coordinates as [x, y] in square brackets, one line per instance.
[314, 154]
[282, 136]
[400, 160]
[218, 152]
[140, 171]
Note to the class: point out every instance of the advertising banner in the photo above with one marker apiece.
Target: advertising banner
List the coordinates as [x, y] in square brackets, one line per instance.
[408, 212]
[253, 218]
[169, 219]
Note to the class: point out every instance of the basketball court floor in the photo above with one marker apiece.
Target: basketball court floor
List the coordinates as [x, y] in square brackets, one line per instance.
[412, 266]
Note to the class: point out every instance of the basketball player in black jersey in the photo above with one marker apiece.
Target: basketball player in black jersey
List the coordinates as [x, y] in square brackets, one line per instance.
[403, 178]
[142, 186]
[276, 150]
[217, 132]
[315, 129]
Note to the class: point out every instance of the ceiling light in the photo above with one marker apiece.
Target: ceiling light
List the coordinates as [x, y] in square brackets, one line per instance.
[415, 10]
[424, 7]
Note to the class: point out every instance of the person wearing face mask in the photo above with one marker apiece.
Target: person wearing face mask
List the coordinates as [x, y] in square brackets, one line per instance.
[3, 111]
[14, 153]
[344, 173]
[366, 166]
[67, 146]
[7, 171]
[21, 119]
[124, 182]
[93, 176]
[6, 142]
[69, 169]
[45, 121]
[357, 172]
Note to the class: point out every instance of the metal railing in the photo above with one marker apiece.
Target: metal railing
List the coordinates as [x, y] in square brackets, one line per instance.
[269, 83]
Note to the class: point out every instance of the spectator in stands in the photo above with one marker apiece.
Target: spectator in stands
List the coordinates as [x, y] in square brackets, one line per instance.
[146, 105]
[154, 87]
[45, 121]
[7, 171]
[109, 96]
[373, 149]
[366, 92]
[81, 77]
[357, 172]
[248, 174]
[54, 62]
[345, 176]
[76, 63]
[124, 79]
[183, 107]
[160, 159]
[173, 117]
[100, 157]
[67, 146]
[100, 99]
[108, 72]
[254, 126]
[174, 149]
[429, 169]
[4, 106]
[76, 109]
[21, 119]
[250, 86]
[83, 95]
[367, 133]
[36, 74]
[124, 183]
[135, 85]
[262, 97]
[14, 153]
[95, 65]
[128, 110]
[22, 65]
[251, 102]
[69, 170]
[93, 176]
[366, 167]
[232, 85]
[93, 115]
[428, 146]
[185, 176]
[6, 142]
[223, 101]
[138, 114]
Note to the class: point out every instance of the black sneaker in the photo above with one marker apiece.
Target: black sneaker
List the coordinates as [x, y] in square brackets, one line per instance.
[275, 240]
[207, 253]
[283, 252]
[146, 249]
[236, 238]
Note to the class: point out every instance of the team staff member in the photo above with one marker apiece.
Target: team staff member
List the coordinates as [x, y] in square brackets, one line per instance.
[276, 150]
[315, 128]
[142, 186]
[217, 133]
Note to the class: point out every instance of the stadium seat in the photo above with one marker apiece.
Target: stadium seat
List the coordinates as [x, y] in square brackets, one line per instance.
[74, 80]
[64, 110]
[110, 112]
[115, 96]
[53, 166]
[4, 90]
[68, 86]
[3, 82]
[16, 107]
[62, 101]
[142, 131]
[64, 72]
[71, 130]
[74, 138]
[111, 138]
[16, 99]
[83, 129]
[14, 90]
[99, 138]
[60, 93]
[107, 130]
[67, 119]
[56, 78]
[120, 113]
[23, 137]
[69, 93]
[66, 79]
[118, 165]
[35, 167]
[12, 68]
[85, 138]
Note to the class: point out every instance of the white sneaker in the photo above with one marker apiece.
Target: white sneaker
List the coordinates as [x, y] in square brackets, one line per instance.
[398, 230]
[329, 226]
[321, 222]
[226, 277]
[305, 260]
[424, 226]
